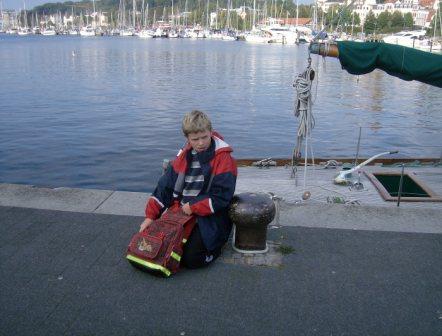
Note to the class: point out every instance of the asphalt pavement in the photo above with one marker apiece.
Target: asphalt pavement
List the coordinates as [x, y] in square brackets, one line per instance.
[65, 273]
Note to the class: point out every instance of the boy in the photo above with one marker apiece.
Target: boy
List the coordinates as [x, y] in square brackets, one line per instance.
[203, 179]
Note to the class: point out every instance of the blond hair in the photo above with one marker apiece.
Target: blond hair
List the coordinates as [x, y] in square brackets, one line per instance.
[196, 121]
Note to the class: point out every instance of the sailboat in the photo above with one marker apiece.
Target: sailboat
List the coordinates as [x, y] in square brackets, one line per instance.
[73, 31]
[146, 33]
[228, 35]
[48, 31]
[256, 35]
[123, 29]
[89, 29]
[172, 33]
[24, 30]
[2, 28]
[431, 44]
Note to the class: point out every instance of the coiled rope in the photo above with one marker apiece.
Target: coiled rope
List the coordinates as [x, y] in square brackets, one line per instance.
[303, 102]
[303, 111]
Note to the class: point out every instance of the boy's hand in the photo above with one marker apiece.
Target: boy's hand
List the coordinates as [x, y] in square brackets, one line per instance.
[145, 224]
[186, 209]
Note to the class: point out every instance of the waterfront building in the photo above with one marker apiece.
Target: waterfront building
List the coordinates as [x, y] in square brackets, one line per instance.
[8, 20]
[422, 11]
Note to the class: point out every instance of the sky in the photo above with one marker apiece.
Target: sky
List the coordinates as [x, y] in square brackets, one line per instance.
[18, 4]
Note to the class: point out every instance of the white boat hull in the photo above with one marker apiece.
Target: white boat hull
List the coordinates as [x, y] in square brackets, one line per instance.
[256, 39]
[48, 32]
[87, 31]
[145, 34]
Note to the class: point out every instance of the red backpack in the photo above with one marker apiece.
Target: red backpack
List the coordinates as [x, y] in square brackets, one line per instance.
[159, 247]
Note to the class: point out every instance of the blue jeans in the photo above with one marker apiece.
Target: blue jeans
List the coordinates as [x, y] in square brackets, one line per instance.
[195, 254]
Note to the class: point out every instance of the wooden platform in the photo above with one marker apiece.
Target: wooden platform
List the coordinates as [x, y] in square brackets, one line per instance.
[319, 182]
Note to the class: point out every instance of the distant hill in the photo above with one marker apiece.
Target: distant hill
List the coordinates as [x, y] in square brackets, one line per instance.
[287, 9]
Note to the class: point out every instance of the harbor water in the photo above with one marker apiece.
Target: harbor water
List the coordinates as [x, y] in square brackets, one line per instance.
[104, 112]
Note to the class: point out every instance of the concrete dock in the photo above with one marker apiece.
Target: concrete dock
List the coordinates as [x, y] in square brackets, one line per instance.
[361, 268]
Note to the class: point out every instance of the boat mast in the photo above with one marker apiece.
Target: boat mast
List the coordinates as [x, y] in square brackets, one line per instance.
[25, 17]
[185, 14]
[440, 20]
[142, 14]
[352, 22]
[436, 15]
[95, 15]
[216, 22]
[254, 13]
[134, 8]
[315, 17]
[228, 16]
[72, 15]
[207, 18]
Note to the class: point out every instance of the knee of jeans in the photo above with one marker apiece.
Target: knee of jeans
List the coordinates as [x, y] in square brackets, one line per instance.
[197, 261]
[191, 263]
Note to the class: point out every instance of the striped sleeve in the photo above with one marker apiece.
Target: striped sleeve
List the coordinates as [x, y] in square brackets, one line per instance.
[221, 191]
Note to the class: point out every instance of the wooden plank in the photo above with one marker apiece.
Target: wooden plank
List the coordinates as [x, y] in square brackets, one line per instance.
[386, 161]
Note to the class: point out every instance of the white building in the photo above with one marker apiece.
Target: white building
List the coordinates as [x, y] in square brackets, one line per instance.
[363, 7]
[96, 19]
[8, 19]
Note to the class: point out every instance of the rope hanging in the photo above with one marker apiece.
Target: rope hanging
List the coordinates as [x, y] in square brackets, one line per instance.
[303, 111]
[303, 108]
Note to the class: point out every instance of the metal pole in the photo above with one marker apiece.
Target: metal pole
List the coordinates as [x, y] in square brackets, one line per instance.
[358, 146]
[400, 186]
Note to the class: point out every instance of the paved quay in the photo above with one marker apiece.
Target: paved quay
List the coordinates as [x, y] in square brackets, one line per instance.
[338, 269]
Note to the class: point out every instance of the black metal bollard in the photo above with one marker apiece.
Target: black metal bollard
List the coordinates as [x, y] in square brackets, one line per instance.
[251, 213]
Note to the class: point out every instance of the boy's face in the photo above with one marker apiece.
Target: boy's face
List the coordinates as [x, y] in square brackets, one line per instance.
[200, 141]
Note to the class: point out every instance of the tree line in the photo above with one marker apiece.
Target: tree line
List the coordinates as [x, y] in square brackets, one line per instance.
[387, 22]
[336, 18]
[342, 19]
[272, 7]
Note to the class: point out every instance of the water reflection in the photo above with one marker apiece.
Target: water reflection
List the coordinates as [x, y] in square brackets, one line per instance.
[107, 116]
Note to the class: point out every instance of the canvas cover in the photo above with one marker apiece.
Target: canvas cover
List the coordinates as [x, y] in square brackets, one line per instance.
[406, 63]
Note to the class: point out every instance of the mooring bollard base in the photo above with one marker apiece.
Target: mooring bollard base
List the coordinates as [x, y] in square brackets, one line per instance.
[248, 240]
[251, 213]
[250, 251]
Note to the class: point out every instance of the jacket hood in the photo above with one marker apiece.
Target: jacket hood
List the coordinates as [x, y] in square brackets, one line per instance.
[217, 146]
[217, 139]
[220, 144]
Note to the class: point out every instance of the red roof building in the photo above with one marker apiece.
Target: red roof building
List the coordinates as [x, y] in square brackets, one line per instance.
[293, 22]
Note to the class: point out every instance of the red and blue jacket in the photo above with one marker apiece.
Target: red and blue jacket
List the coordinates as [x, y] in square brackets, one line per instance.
[211, 205]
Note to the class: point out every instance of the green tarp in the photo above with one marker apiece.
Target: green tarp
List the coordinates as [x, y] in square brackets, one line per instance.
[406, 63]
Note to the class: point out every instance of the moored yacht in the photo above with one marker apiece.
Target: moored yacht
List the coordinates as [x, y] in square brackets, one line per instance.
[172, 33]
[23, 31]
[430, 45]
[406, 38]
[145, 33]
[281, 34]
[126, 32]
[87, 31]
[49, 31]
[257, 36]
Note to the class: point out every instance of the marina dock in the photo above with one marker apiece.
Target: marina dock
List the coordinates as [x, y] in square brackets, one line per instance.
[366, 268]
